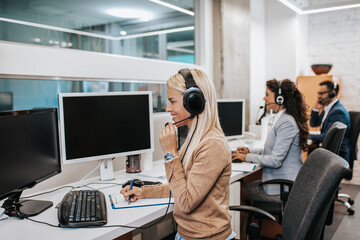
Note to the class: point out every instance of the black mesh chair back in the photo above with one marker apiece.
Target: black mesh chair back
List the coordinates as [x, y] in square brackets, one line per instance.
[309, 199]
[354, 136]
[334, 137]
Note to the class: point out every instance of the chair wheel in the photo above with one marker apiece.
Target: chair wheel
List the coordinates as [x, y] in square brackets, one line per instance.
[351, 202]
[350, 211]
[278, 237]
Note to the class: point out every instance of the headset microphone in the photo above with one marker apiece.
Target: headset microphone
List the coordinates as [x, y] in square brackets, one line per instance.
[258, 122]
[267, 104]
[189, 117]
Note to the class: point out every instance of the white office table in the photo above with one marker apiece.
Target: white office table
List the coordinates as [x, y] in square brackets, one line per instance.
[14, 228]
[245, 142]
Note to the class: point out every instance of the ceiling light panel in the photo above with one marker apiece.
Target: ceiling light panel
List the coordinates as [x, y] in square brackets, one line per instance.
[311, 6]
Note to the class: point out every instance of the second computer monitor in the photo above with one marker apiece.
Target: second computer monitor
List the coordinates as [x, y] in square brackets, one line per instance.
[232, 117]
[98, 126]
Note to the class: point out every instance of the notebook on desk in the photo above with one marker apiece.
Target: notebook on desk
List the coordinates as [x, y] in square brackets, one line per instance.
[118, 202]
[243, 167]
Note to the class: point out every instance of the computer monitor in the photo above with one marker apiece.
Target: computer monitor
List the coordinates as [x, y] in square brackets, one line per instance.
[102, 126]
[231, 116]
[29, 154]
[6, 101]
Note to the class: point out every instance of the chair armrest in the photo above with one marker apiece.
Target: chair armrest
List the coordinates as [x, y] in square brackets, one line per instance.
[251, 210]
[253, 228]
[282, 182]
[285, 182]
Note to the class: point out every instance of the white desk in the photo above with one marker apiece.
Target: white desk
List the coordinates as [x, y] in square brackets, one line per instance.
[15, 229]
[245, 142]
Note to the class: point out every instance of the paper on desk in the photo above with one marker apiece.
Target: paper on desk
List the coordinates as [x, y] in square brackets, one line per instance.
[158, 173]
[243, 167]
[118, 201]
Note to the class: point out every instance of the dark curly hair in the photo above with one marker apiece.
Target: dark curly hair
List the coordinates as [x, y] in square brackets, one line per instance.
[295, 106]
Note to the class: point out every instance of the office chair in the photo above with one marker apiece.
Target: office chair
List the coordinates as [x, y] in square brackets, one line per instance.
[332, 142]
[308, 203]
[354, 135]
[334, 137]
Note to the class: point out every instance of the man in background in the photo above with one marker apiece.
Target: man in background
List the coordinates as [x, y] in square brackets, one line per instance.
[328, 110]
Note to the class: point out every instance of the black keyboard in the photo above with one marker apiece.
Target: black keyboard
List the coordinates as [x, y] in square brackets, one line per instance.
[82, 208]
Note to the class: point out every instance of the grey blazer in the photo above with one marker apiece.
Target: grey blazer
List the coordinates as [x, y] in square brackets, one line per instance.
[281, 157]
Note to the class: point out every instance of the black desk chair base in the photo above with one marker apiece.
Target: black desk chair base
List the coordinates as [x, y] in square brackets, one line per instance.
[348, 203]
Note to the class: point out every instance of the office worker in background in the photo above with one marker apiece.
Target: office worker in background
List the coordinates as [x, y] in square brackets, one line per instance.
[281, 157]
[332, 111]
[199, 174]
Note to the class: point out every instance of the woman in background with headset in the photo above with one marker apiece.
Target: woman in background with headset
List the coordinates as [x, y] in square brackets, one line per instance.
[199, 174]
[281, 157]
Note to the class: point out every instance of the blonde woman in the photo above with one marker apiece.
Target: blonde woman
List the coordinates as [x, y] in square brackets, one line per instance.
[199, 174]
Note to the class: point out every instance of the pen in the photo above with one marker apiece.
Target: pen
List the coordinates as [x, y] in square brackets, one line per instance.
[131, 186]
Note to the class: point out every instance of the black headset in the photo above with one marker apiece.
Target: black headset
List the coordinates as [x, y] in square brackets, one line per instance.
[332, 92]
[279, 98]
[194, 99]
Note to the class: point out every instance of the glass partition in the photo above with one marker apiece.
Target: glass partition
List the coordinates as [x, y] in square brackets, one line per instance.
[38, 93]
[143, 28]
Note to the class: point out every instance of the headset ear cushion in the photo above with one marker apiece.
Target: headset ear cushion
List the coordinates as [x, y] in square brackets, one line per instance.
[332, 94]
[194, 101]
[279, 100]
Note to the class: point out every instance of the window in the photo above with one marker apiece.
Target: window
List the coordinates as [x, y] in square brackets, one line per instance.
[143, 28]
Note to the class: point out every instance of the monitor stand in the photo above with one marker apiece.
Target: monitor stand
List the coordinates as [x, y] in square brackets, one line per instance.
[28, 207]
[34, 207]
[106, 170]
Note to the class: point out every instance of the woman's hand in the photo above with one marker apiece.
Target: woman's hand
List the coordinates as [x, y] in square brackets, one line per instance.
[243, 150]
[239, 156]
[240, 153]
[136, 193]
[168, 139]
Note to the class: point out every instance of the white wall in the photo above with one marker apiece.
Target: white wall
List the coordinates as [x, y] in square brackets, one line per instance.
[334, 37]
[301, 43]
[257, 58]
[203, 37]
[280, 41]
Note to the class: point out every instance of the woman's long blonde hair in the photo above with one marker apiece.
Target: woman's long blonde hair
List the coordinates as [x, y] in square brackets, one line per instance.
[207, 120]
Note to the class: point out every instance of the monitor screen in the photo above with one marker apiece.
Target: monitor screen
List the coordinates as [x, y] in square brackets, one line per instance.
[231, 116]
[6, 101]
[29, 149]
[98, 126]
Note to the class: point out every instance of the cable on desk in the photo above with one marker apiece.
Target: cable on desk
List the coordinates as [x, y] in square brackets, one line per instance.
[72, 188]
[103, 183]
[81, 180]
[49, 224]
[54, 190]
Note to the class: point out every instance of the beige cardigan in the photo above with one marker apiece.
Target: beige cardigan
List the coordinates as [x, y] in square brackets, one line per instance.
[201, 196]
